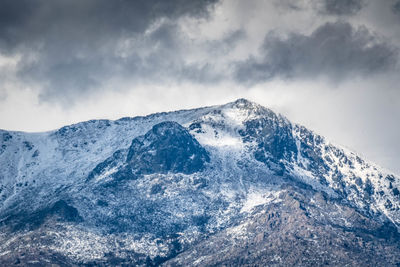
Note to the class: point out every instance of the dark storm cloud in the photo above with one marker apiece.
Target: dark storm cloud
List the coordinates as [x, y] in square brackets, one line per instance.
[396, 7]
[334, 50]
[71, 46]
[342, 7]
[325, 7]
[24, 21]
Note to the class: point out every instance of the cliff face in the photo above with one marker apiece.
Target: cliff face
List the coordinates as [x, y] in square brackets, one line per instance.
[235, 184]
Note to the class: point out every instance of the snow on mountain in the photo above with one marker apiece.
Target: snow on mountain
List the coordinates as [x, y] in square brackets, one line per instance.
[145, 189]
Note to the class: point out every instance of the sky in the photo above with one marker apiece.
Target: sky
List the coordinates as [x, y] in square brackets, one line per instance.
[330, 65]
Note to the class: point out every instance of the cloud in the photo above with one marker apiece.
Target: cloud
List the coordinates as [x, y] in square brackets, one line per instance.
[24, 22]
[396, 7]
[334, 50]
[324, 7]
[70, 47]
[341, 7]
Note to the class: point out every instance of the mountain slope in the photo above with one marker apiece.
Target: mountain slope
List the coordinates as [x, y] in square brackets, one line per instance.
[231, 184]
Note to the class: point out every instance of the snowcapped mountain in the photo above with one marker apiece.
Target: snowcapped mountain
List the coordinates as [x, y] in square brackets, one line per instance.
[234, 184]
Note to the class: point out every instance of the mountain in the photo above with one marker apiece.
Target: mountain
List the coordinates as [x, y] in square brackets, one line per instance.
[224, 185]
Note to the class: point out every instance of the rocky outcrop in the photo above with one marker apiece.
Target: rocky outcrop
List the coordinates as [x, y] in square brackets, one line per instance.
[167, 147]
[302, 229]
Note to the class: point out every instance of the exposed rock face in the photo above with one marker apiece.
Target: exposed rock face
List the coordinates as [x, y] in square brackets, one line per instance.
[294, 232]
[59, 211]
[167, 147]
[227, 185]
[275, 143]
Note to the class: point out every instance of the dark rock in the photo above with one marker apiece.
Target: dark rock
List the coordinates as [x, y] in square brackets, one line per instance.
[7, 137]
[167, 147]
[273, 136]
[112, 161]
[60, 210]
[28, 145]
[35, 154]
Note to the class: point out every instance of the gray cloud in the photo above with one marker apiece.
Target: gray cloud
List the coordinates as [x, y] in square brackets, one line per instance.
[396, 7]
[335, 50]
[324, 7]
[24, 22]
[342, 7]
[71, 47]
[226, 43]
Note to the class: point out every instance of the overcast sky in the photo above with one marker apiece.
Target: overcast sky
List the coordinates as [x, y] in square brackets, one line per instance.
[331, 65]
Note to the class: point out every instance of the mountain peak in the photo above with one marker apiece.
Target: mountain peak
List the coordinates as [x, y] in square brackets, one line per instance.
[243, 110]
[243, 103]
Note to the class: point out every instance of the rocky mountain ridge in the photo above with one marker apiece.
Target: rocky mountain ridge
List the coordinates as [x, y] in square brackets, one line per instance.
[234, 184]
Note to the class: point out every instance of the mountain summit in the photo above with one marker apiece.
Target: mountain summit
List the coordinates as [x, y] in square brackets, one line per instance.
[234, 184]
